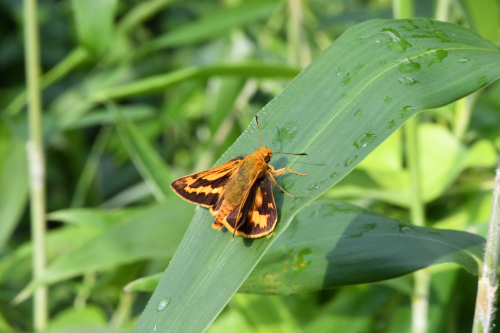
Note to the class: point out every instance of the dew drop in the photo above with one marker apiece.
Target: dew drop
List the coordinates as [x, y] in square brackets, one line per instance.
[333, 175]
[391, 124]
[406, 111]
[163, 304]
[396, 42]
[350, 160]
[382, 62]
[403, 228]
[434, 55]
[387, 99]
[408, 66]
[358, 113]
[463, 60]
[407, 81]
[155, 328]
[482, 82]
[435, 34]
[364, 140]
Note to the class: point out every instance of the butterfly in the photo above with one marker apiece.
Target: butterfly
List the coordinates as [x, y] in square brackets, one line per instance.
[238, 192]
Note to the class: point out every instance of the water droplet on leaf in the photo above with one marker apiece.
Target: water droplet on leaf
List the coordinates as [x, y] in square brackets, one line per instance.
[350, 160]
[163, 304]
[364, 140]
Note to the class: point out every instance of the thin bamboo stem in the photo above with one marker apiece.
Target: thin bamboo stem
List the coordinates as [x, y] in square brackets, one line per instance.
[74, 59]
[36, 161]
[420, 299]
[298, 48]
[487, 284]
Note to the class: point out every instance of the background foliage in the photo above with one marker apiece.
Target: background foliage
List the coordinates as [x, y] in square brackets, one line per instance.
[189, 77]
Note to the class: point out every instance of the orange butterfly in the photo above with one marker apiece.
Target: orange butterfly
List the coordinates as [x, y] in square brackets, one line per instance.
[238, 192]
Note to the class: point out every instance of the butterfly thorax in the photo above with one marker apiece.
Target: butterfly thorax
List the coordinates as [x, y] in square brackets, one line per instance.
[253, 167]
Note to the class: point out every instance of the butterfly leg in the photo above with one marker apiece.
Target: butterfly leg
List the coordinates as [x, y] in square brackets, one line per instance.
[276, 183]
[279, 172]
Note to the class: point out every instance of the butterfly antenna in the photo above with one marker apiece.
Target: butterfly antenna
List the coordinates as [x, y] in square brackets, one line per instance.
[258, 127]
[301, 154]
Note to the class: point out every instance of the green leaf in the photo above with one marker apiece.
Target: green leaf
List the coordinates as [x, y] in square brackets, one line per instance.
[158, 83]
[151, 233]
[443, 158]
[212, 25]
[145, 158]
[147, 283]
[16, 266]
[484, 17]
[331, 244]
[317, 251]
[95, 23]
[103, 116]
[337, 111]
[353, 302]
[93, 217]
[13, 185]
[90, 315]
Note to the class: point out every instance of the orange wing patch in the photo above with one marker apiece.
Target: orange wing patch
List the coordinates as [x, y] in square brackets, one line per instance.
[259, 213]
[206, 188]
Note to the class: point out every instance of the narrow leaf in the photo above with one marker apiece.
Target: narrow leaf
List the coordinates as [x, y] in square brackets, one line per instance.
[95, 23]
[145, 158]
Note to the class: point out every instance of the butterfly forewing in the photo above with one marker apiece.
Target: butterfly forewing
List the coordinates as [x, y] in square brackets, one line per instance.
[207, 187]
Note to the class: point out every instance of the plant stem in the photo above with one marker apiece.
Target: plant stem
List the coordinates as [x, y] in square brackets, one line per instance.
[76, 57]
[36, 160]
[402, 9]
[442, 12]
[487, 284]
[462, 116]
[298, 49]
[420, 299]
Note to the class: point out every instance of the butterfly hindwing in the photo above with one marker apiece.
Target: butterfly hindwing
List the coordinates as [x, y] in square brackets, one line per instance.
[258, 215]
[206, 188]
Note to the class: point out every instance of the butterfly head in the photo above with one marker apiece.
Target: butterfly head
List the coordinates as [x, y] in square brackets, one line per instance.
[266, 153]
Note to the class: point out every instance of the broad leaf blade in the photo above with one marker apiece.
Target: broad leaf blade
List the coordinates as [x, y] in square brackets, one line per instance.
[332, 244]
[353, 96]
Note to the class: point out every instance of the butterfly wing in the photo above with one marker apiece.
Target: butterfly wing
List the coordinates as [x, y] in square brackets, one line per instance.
[231, 207]
[261, 214]
[206, 188]
[258, 215]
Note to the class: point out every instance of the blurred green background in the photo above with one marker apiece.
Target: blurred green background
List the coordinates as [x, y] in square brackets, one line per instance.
[196, 73]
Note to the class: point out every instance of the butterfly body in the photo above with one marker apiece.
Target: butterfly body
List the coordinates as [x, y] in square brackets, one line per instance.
[238, 193]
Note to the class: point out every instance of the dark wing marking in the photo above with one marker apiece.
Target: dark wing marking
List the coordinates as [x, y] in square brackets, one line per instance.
[230, 213]
[205, 188]
[261, 216]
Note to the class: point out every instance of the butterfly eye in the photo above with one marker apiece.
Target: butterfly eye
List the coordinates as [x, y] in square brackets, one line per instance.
[267, 159]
